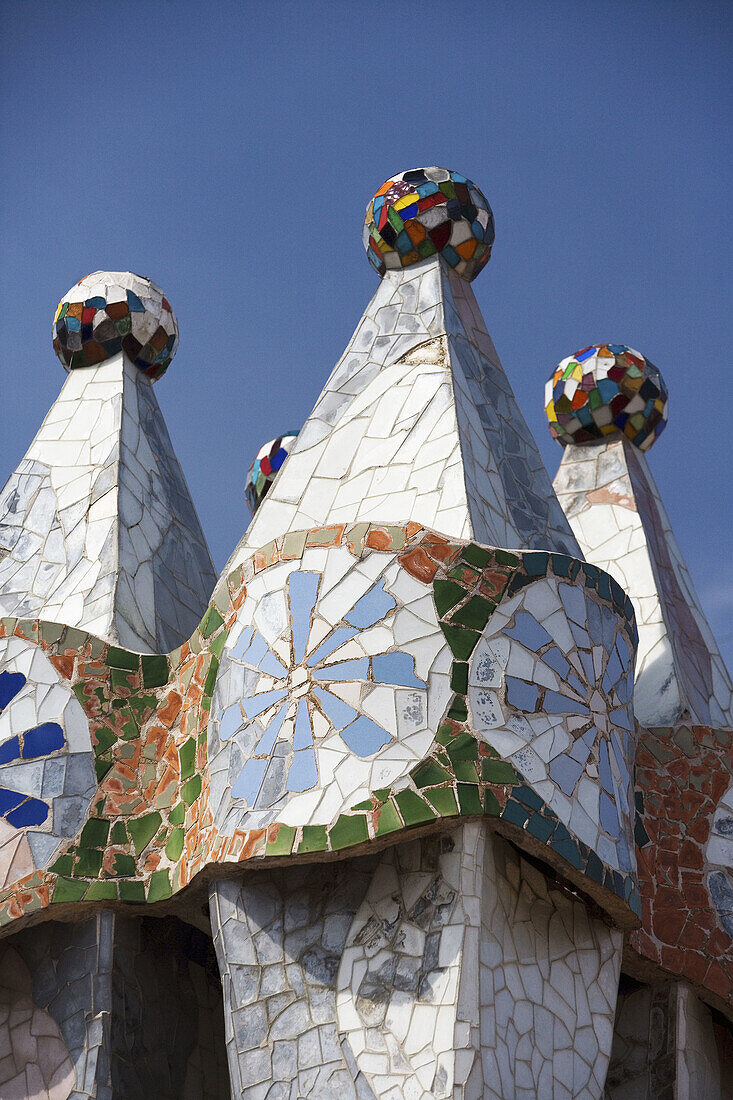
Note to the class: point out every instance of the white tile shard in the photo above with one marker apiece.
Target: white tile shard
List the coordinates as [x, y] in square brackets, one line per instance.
[417, 422]
[97, 526]
[614, 507]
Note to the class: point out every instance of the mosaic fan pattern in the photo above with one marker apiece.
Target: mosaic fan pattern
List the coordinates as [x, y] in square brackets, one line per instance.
[426, 211]
[265, 467]
[113, 311]
[550, 688]
[603, 390]
[316, 696]
[47, 777]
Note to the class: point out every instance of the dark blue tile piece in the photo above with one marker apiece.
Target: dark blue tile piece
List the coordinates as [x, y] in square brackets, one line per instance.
[528, 797]
[9, 750]
[521, 695]
[10, 685]
[30, 812]
[569, 851]
[515, 813]
[9, 800]
[535, 564]
[42, 740]
[528, 631]
[540, 827]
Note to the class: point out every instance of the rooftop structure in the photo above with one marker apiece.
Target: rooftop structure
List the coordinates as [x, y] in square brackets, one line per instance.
[390, 790]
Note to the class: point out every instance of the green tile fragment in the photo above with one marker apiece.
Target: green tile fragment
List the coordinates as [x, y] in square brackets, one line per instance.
[174, 847]
[94, 834]
[429, 774]
[491, 804]
[477, 555]
[121, 658]
[119, 833]
[133, 892]
[63, 865]
[67, 889]
[124, 865]
[465, 771]
[443, 800]
[462, 747]
[348, 830]
[155, 670]
[101, 891]
[191, 789]
[461, 641]
[120, 679]
[105, 739]
[160, 886]
[187, 757]
[102, 767]
[458, 710]
[178, 814]
[88, 863]
[469, 798]
[143, 829]
[211, 621]
[446, 595]
[389, 821]
[459, 677]
[498, 771]
[314, 839]
[282, 845]
[413, 808]
[475, 613]
[210, 683]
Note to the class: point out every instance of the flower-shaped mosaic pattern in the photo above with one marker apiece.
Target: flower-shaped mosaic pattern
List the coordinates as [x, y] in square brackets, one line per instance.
[266, 467]
[47, 776]
[550, 688]
[323, 692]
[113, 311]
[427, 211]
[605, 390]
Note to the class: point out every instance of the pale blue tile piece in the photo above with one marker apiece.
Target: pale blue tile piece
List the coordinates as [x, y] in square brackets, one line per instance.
[257, 703]
[397, 669]
[231, 721]
[621, 718]
[565, 772]
[609, 816]
[587, 662]
[243, 641]
[605, 767]
[356, 669]
[249, 780]
[372, 607]
[255, 651]
[332, 642]
[303, 589]
[266, 743]
[528, 631]
[555, 660]
[559, 704]
[521, 695]
[303, 732]
[364, 737]
[272, 665]
[340, 714]
[303, 775]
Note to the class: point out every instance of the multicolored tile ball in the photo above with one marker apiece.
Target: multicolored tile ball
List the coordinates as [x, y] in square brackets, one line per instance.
[263, 470]
[424, 212]
[113, 311]
[604, 390]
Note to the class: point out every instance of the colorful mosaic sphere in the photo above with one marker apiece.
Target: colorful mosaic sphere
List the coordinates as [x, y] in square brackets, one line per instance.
[606, 390]
[263, 470]
[113, 311]
[424, 212]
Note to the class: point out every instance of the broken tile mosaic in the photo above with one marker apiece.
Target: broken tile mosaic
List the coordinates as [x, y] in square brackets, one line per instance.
[604, 390]
[427, 211]
[265, 468]
[112, 311]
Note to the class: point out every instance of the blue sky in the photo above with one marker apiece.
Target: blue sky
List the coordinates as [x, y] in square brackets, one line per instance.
[228, 151]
